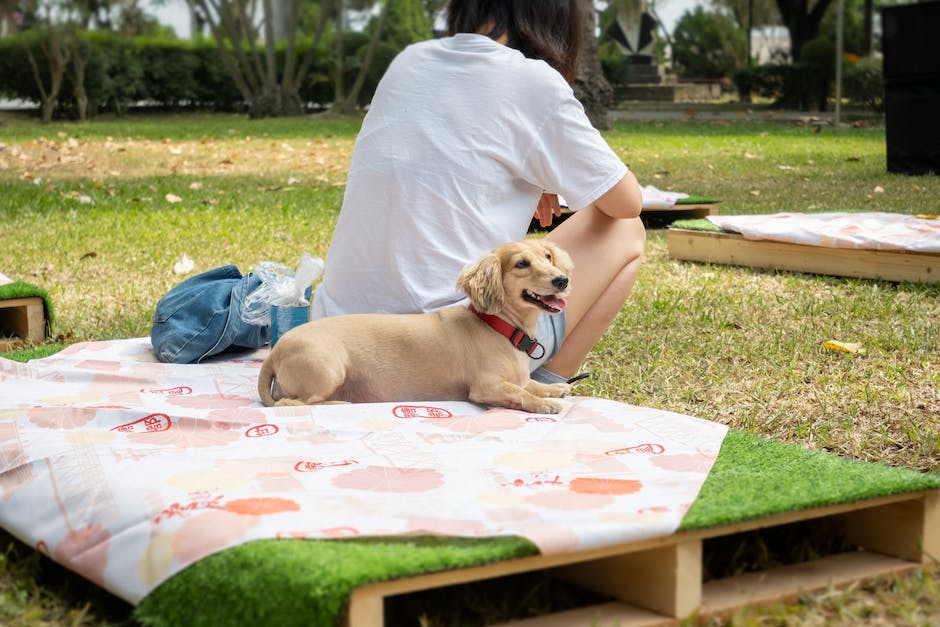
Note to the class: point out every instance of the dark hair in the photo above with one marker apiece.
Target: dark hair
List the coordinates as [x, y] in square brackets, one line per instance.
[549, 30]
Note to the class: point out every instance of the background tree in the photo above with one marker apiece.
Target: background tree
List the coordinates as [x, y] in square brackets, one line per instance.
[347, 104]
[270, 89]
[751, 14]
[708, 44]
[49, 77]
[591, 86]
[408, 21]
[802, 18]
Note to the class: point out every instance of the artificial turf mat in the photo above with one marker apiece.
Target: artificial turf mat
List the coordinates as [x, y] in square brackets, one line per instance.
[696, 200]
[35, 352]
[698, 224]
[755, 477]
[307, 582]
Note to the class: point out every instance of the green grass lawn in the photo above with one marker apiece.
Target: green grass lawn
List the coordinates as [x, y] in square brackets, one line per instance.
[98, 214]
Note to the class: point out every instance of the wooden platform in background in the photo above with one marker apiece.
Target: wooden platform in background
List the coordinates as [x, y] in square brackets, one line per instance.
[659, 581]
[661, 218]
[652, 218]
[734, 249]
[22, 320]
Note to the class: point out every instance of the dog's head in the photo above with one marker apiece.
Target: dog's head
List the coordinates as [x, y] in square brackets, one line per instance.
[528, 274]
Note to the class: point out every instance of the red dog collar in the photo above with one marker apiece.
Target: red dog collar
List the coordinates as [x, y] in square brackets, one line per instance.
[516, 336]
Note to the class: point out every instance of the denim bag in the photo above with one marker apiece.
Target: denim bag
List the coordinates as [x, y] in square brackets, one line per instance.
[201, 317]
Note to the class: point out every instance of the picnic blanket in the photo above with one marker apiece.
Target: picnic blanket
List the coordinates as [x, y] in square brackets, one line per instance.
[127, 470]
[871, 230]
[652, 198]
[655, 198]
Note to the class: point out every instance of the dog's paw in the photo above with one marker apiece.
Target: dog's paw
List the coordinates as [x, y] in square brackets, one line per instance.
[545, 406]
[558, 390]
[289, 402]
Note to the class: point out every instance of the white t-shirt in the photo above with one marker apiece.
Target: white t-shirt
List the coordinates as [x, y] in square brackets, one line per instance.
[462, 137]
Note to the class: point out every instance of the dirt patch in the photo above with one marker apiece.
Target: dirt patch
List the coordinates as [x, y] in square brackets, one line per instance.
[64, 157]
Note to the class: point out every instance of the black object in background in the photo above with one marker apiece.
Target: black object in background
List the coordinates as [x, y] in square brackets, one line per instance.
[911, 46]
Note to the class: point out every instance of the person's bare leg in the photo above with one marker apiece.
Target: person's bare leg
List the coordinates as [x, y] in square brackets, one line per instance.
[607, 254]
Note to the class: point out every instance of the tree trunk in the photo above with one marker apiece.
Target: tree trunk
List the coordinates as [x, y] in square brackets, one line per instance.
[57, 59]
[339, 87]
[349, 105]
[802, 21]
[79, 63]
[590, 85]
[275, 102]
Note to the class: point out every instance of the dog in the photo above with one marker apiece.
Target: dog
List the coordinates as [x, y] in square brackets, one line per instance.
[478, 353]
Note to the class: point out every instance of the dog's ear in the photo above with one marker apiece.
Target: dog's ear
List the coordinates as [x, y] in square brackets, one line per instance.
[482, 281]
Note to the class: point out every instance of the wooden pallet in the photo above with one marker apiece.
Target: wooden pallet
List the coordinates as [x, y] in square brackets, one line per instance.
[734, 249]
[21, 320]
[659, 218]
[652, 218]
[659, 581]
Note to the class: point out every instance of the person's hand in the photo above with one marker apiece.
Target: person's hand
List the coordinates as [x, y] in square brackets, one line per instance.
[547, 209]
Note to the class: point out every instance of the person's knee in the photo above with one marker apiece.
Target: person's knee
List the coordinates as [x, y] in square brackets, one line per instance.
[632, 237]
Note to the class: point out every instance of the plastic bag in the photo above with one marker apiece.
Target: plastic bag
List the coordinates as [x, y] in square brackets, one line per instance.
[280, 286]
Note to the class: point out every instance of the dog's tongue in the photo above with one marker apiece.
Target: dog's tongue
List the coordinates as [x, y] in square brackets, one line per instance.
[554, 302]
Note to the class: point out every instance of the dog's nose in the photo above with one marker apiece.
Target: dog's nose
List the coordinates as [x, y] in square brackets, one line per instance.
[560, 282]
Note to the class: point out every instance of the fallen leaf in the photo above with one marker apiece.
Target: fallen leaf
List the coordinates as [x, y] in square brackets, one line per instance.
[879, 189]
[173, 198]
[754, 192]
[88, 255]
[844, 347]
[195, 185]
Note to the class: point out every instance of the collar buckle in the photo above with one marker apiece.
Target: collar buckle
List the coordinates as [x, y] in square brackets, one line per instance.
[516, 336]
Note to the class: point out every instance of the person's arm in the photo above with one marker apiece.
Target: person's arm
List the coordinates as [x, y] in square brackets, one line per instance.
[623, 200]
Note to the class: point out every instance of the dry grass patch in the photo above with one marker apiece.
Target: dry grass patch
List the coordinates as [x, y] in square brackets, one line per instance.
[63, 158]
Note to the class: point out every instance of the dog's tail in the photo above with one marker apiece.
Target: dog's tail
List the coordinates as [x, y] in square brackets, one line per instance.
[265, 383]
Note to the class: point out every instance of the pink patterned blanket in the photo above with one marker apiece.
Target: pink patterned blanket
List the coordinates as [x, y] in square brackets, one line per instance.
[127, 470]
[873, 230]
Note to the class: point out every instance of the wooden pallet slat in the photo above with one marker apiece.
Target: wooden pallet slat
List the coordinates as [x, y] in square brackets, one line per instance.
[786, 583]
[666, 580]
[734, 249]
[658, 581]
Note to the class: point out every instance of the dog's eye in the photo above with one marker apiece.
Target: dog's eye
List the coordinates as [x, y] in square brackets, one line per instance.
[548, 256]
[522, 263]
